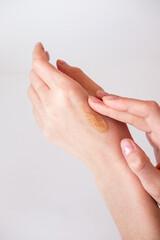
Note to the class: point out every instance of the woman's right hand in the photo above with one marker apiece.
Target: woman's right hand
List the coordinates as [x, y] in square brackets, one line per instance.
[144, 115]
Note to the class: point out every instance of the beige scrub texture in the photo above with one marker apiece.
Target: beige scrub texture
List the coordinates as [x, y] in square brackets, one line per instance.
[95, 120]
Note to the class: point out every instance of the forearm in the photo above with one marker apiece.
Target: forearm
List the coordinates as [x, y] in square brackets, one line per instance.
[135, 213]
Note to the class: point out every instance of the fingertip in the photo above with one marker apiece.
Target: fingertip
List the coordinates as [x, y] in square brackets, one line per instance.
[40, 45]
[61, 62]
[127, 139]
[127, 146]
[100, 93]
[97, 105]
[38, 51]
[134, 155]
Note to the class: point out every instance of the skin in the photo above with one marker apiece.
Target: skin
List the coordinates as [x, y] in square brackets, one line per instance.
[58, 96]
[144, 115]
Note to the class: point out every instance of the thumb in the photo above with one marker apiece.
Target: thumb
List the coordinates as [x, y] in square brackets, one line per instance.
[79, 76]
[140, 164]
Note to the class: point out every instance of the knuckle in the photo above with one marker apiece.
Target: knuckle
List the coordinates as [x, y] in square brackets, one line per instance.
[64, 91]
[64, 94]
[152, 106]
[70, 92]
[138, 163]
[67, 94]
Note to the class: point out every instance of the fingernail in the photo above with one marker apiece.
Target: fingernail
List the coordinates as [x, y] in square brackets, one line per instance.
[110, 97]
[94, 99]
[62, 62]
[127, 147]
[102, 93]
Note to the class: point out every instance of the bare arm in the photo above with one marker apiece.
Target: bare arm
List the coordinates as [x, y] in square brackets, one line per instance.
[62, 112]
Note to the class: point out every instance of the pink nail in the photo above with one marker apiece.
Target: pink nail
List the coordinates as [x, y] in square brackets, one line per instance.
[94, 99]
[62, 62]
[102, 93]
[127, 147]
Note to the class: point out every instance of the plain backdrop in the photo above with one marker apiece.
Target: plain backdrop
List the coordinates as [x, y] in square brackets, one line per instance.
[44, 192]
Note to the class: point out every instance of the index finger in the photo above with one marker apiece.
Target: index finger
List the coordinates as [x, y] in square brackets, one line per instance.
[138, 107]
[46, 71]
[38, 51]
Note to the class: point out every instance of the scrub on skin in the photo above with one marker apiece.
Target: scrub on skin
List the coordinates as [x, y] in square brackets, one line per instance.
[96, 121]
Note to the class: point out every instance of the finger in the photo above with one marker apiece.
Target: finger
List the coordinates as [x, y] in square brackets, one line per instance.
[142, 123]
[149, 110]
[38, 51]
[46, 71]
[99, 106]
[35, 100]
[37, 118]
[100, 94]
[79, 76]
[39, 86]
[140, 164]
[134, 106]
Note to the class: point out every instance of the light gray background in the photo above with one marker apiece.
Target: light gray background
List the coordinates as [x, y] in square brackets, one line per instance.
[44, 192]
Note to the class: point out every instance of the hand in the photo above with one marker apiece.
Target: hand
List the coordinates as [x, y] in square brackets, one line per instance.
[60, 106]
[62, 112]
[144, 115]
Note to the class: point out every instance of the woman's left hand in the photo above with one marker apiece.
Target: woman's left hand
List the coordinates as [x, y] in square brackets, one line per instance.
[144, 115]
